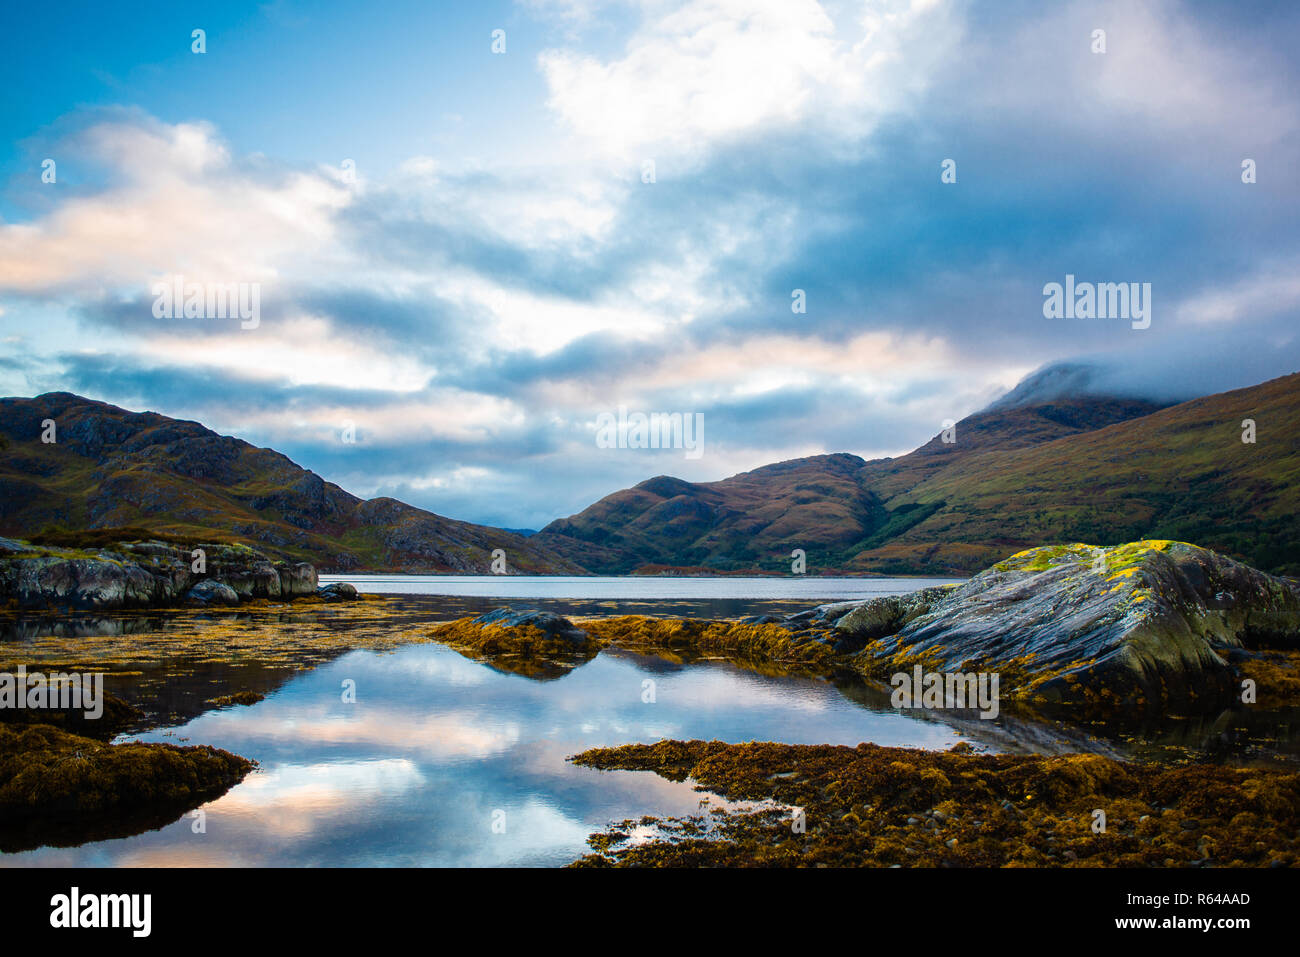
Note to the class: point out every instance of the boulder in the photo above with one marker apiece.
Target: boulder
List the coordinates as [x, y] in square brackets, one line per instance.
[142, 575]
[1143, 623]
[339, 591]
[212, 592]
[296, 579]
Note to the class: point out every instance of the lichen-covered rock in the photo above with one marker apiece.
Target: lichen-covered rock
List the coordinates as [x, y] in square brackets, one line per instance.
[81, 583]
[1142, 623]
[245, 570]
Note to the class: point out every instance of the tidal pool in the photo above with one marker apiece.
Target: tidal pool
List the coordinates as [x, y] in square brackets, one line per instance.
[437, 749]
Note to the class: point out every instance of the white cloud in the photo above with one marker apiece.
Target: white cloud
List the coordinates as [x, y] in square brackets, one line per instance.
[175, 204]
[715, 70]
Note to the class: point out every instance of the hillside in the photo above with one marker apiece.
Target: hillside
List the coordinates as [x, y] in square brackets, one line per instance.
[1033, 468]
[111, 468]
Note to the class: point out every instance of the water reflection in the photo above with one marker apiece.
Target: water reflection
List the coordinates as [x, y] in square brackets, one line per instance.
[435, 745]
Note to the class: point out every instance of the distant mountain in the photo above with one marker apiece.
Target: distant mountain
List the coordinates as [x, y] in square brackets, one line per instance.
[1050, 462]
[111, 468]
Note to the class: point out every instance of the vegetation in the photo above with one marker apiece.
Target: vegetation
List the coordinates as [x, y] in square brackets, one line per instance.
[882, 807]
[57, 787]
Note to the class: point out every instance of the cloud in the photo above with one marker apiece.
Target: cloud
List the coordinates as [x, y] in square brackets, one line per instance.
[716, 71]
[175, 203]
[472, 317]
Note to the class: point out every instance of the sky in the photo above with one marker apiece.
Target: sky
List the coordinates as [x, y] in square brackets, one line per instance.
[464, 256]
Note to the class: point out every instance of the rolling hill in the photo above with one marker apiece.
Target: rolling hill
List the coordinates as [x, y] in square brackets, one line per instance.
[111, 468]
[1039, 466]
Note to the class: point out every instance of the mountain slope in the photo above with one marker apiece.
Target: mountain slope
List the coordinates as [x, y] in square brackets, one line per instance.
[1038, 466]
[1179, 473]
[111, 468]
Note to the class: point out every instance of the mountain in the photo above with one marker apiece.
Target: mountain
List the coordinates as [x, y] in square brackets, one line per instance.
[1053, 461]
[110, 468]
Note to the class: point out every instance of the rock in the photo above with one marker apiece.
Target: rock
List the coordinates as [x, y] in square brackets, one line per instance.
[879, 617]
[834, 610]
[212, 592]
[142, 575]
[1146, 622]
[296, 579]
[247, 571]
[550, 625]
[339, 591]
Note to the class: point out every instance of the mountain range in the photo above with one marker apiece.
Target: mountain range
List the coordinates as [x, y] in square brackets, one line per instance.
[1039, 466]
[1052, 461]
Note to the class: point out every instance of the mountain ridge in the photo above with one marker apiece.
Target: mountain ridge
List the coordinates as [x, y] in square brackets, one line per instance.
[953, 507]
[109, 467]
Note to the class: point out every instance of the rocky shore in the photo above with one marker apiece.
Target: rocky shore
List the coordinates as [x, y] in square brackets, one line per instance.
[1147, 625]
[150, 574]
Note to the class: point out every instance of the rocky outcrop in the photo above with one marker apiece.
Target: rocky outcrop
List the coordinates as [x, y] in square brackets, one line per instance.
[1146, 623]
[145, 574]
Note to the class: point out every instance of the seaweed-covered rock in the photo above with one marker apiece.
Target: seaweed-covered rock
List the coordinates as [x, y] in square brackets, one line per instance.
[116, 716]
[1146, 622]
[553, 627]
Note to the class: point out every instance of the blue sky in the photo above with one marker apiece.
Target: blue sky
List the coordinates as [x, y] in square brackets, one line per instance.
[498, 272]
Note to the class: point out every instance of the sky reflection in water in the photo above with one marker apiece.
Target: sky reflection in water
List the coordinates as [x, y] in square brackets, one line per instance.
[412, 772]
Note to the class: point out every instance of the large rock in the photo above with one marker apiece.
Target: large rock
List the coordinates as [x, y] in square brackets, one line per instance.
[142, 575]
[247, 571]
[81, 583]
[297, 579]
[1142, 623]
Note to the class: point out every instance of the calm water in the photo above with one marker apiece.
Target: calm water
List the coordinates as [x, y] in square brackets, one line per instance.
[635, 587]
[412, 773]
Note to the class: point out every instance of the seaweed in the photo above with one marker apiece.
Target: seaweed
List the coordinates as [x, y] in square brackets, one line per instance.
[883, 807]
